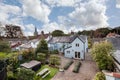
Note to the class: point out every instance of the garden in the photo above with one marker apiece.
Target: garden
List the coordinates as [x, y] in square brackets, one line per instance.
[13, 60]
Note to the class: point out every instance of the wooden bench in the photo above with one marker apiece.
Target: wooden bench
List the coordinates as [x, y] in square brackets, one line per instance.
[44, 73]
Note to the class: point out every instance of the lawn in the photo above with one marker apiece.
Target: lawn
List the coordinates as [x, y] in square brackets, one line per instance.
[50, 76]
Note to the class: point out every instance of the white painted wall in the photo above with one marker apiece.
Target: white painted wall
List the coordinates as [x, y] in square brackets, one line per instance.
[74, 49]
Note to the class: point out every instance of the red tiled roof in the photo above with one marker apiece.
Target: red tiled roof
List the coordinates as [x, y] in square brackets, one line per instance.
[116, 75]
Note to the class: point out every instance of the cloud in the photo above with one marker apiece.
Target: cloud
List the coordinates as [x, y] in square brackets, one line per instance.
[53, 26]
[117, 3]
[36, 9]
[8, 13]
[30, 27]
[69, 3]
[90, 14]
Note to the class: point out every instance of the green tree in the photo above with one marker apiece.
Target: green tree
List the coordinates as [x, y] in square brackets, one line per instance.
[99, 76]
[42, 47]
[41, 57]
[4, 46]
[57, 33]
[25, 74]
[54, 60]
[101, 53]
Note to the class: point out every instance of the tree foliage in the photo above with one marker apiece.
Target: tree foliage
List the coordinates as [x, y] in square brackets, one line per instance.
[25, 74]
[101, 53]
[99, 76]
[42, 47]
[54, 60]
[57, 33]
[4, 46]
[41, 57]
[100, 33]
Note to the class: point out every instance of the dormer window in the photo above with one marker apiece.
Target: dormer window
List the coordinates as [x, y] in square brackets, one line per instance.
[77, 45]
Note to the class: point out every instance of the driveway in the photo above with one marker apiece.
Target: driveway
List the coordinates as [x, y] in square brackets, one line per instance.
[87, 70]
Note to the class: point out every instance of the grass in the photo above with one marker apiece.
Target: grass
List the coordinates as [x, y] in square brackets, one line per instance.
[48, 77]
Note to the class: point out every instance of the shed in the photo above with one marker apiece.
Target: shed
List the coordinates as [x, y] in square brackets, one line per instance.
[34, 65]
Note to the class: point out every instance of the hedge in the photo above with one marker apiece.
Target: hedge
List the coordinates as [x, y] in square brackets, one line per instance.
[76, 67]
[68, 65]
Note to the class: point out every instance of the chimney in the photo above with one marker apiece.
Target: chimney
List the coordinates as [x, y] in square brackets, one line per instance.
[42, 32]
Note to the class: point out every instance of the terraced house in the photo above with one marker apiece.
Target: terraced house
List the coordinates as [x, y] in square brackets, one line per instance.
[74, 46]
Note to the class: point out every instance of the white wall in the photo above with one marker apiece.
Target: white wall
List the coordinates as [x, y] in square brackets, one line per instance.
[74, 49]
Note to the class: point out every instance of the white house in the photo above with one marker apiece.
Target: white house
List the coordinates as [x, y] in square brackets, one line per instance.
[74, 46]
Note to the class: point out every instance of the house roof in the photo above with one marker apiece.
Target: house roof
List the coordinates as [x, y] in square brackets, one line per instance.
[30, 64]
[66, 39]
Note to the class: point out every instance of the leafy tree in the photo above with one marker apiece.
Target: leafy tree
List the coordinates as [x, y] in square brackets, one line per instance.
[99, 76]
[25, 74]
[4, 46]
[101, 53]
[42, 47]
[57, 33]
[28, 54]
[2, 56]
[41, 57]
[54, 60]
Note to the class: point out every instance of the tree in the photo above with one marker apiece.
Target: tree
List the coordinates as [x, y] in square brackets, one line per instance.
[99, 76]
[13, 31]
[54, 60]
[4, 46]
[41, 57]
[57, 33]
[101, 53]
[25, 74]
[42, 47]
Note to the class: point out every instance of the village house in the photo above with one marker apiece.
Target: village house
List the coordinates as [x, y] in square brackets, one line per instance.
[74, 46]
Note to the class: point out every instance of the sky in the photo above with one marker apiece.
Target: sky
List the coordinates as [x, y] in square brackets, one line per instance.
[65, 15]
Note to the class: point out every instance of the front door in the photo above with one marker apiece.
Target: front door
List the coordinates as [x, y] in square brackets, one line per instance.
[77, 54]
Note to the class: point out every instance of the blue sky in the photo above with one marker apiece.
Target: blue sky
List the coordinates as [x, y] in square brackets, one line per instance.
[66, 15]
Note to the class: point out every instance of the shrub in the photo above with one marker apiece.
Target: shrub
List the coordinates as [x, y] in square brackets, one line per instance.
[10, 76]
[41, 57]
[28, 54]
[54, 52]
[101, 53]
[25, 74]
[68, 65]
[99, 76]
[54, 60]
[76, 67]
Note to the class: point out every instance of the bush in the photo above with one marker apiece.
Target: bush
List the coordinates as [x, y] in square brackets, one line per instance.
[25, 74]
[10, 76]
[68, 65]
[76, 67]
[99, 76]
[28, 54]
[54, 60]
[54, 52]
[41, 57]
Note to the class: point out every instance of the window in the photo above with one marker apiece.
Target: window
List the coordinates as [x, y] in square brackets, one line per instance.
[68, 51]
[77, 45]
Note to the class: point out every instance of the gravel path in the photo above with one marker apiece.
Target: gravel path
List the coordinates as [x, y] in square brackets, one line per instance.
[87, 70]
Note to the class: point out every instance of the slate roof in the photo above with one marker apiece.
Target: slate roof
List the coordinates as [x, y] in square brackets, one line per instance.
[115, 42]
[66, 39]
[116, 45]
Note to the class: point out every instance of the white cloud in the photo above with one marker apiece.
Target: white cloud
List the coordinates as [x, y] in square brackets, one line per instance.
[7, 11]
[53, 26]
[118, 3]
[69, 3]
[28, 33]
[36, 9]
[90, 14]
[30, 27]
